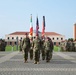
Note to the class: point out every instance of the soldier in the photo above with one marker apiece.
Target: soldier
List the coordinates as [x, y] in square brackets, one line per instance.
[31, 48]
[43, 48]
[71, 45]
[68, 45]
[37, 47]
[62, 45]
[3, 45]
[48, 48]
[26, 46]
[52, 47]
[20, 45]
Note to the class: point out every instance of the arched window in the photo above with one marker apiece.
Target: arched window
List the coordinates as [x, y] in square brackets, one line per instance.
[61, 38]
[54, 43]
[15, 43]
[57, 38]
[8, 38]
[53, 38]
[12, 37]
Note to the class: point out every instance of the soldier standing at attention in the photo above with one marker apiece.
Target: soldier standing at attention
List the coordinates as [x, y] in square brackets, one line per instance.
[26, 47]
[36, 46]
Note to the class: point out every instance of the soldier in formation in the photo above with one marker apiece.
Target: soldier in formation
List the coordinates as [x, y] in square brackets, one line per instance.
[26, 47]
[2, 45]
[31, 48]
[48, 49]
[20, 45]
[43, 48]
[68, 45]
[36, 47]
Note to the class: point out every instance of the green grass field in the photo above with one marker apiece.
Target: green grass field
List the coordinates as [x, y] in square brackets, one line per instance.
[10, 48]
[14, 48]
[56, 49]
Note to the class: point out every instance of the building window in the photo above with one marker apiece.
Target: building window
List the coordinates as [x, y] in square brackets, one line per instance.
[53, 38]
[57, 38]
[10, 43]
[8, 38]
[21, 38]
[12, 37]
[59, 43]
[61, 38]
[54, 43]
[15, 43]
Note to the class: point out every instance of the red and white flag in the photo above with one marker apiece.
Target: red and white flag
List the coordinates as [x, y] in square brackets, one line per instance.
[31, 26]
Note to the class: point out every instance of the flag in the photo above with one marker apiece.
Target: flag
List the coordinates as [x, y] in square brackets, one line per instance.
[43, 26]
[31, 26]
[37, 26]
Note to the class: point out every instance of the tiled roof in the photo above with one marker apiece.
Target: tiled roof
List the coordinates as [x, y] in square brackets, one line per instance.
[18, 33]
[52, 33]
[46, 33]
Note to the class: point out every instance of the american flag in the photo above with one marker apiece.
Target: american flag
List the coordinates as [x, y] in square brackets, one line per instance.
[37, 26]
[43, 26]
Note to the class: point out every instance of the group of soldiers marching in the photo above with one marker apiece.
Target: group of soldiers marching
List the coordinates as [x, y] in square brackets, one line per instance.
[68, 45]
[36, 46]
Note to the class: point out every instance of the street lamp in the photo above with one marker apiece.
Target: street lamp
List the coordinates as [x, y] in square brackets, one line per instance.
[17, 42]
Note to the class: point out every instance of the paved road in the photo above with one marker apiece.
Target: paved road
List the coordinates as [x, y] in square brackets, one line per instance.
[11, 63]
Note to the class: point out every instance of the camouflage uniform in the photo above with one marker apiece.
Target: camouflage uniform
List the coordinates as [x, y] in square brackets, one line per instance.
[26, 46]
[63, 46]
[43, 49]
[51, 49]
[31, 48]
[37, 47]
[2, 45]
[71, 46]
[68, 46]
[47, 45]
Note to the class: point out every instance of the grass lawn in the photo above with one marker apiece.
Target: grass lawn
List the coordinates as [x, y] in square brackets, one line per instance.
[10, 48]
[56, 48]
[14, 48]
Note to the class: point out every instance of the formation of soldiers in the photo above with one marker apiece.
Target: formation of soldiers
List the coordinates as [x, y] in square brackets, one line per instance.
[2, 45]
[68, 45]
[36, 46]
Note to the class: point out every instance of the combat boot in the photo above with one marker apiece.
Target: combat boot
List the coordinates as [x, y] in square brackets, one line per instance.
[35, 62]
[25, 61]
[38, 62]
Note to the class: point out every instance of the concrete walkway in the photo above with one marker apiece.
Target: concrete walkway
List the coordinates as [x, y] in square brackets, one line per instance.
[11, 63]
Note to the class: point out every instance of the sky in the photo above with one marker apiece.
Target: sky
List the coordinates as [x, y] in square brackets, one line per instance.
[60, 16]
